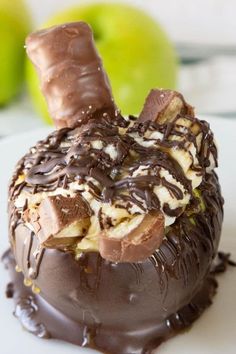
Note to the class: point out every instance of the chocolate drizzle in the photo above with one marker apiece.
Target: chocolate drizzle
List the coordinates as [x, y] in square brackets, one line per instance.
[207, 146]
[29, 249]
[82, 154]
[221, 262]
[38, 257]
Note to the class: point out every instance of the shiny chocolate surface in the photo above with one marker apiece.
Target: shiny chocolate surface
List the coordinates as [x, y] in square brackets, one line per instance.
[130, 307]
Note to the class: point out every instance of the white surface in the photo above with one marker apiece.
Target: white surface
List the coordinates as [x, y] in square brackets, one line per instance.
[210, 85]
[213, 333]
[201, 21]
[19, 116]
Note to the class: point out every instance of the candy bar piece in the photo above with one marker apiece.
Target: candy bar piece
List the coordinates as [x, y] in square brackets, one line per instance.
[132, 241]
[164, 105]
[62, 220]
[72, 77]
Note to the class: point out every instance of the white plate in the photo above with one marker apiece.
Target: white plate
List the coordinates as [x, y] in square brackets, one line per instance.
[213, 333]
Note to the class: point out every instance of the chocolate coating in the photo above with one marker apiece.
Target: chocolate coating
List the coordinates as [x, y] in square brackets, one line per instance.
[33, 312]
[148, 301]
[72, 77]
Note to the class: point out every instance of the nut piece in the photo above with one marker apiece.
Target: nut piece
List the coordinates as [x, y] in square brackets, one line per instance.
[163, 106]
[134, 240]
[71, 73]
[62, 220]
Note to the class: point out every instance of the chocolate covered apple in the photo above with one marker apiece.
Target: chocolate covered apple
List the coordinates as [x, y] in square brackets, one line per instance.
[114, 221]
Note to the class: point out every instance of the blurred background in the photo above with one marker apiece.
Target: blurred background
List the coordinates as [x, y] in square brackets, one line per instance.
[186, 44]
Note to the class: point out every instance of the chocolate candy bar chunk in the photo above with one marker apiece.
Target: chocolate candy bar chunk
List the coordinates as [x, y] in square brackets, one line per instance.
[133, 241]
[163, 105]
[71, 73]
[62, 220]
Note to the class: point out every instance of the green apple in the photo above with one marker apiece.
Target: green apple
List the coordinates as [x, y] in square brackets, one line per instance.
[136, 53]
[14, 26]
